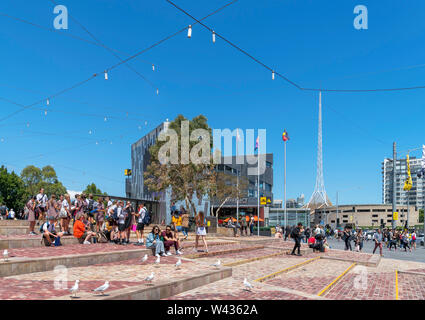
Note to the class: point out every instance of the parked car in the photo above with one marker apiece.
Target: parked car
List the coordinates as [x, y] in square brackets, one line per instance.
[420, 238]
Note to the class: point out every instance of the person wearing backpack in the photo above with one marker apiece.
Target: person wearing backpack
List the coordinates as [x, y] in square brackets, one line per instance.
[3, 212]
[414, 239]
[48, 231]
[296, 234]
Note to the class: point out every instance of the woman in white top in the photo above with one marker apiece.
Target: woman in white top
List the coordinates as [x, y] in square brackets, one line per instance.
[200, 230]
[65, 214]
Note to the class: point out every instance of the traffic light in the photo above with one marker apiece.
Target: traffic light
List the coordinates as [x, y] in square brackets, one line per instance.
[127, 172]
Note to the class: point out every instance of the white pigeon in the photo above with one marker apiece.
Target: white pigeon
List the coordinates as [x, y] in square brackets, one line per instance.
[158, 260]
[247, 285]
[102, 288]
[5, 254]
[178, 263]
[217, 264]
[145, 257]
[74, 289]
[150, 278]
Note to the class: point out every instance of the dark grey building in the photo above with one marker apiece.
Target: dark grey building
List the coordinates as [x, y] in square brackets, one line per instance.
[249, 202]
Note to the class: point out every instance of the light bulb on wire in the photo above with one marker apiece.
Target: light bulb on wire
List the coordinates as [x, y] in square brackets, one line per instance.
[47, 102]
[45, 112]
[153, 67]
[213, 37]
[189, 32]
[157, 91]
[272, 75]
[106, 75]
[105, 119]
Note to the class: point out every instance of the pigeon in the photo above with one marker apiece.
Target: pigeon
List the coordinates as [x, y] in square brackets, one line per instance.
[5, 255]
[145, 257]
[247, 285]
[150, 278]
[158, 260]
[102, 288]
[74, 289]
[178, 263]
[217, 264]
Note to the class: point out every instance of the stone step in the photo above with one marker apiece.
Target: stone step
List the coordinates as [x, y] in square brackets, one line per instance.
[25, 265]
[14, 223]
[30, 242]
[13, 230]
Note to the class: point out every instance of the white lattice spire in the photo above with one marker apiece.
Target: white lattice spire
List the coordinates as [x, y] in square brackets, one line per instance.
[319, 197]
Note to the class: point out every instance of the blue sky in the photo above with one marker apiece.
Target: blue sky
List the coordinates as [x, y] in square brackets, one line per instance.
[313, 43]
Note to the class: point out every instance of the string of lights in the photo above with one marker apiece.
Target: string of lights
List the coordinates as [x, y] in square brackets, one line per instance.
[47, 99]
[109, 49]
[274, 72]
[67, 34]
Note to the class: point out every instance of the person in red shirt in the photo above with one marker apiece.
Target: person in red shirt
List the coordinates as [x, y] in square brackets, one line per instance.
[80, 232]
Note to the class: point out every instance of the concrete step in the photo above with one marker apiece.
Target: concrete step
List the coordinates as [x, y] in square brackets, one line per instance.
[13, 230]
[25, 265]
[14, 223]
[30, 242]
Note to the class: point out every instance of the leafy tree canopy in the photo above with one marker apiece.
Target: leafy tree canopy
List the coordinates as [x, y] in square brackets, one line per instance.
[35, 178]
[12, 190]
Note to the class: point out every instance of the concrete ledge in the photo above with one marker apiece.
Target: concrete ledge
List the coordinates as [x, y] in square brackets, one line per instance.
[29, 265]
[413, 273]
[33, 242]
[14, 223]
[370, 263]
[13, 230]
[160, 290]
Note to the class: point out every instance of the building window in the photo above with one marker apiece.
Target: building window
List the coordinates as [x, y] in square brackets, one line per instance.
[268, 164]
[344, 221]
[374, 216]
[345, 216]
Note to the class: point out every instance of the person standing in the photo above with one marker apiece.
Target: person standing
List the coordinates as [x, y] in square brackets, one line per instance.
[140, 229]
[296, 235]
[52, 208]
[244, 226]
[121, 215]
[4, 212]
[41, 206]
[377, 237]
[31, 214]
[414, 239]
[251, 225]
[200, 230]
[287, 232]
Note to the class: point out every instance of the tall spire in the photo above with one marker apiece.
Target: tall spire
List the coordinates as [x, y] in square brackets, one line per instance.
[319, 197]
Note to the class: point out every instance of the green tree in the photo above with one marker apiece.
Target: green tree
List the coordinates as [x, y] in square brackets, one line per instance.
[35, 178]
[421, 215]
[93, 189]
[12, 190]
[31, 175]
[186, 180]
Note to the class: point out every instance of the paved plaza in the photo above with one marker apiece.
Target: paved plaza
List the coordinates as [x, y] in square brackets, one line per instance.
[265, 262]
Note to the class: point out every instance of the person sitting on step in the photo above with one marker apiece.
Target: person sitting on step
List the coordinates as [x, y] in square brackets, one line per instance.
[50, 237]
[155, 242]
[80, 232]
[171, 239]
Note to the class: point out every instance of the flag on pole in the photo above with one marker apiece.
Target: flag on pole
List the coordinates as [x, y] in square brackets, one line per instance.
[257, 143]
[285, 136]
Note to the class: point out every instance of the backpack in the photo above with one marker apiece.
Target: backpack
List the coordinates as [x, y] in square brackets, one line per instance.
[42, 226]
[90, 207]
[3, 210]
[294, 233]
[115, 214]
[147, 218]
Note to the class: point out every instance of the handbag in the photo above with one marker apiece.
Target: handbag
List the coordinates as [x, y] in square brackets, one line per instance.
[63, 213]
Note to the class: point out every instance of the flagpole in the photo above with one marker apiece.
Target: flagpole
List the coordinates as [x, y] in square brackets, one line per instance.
[258, 193]
[284, 185]
[237, 172]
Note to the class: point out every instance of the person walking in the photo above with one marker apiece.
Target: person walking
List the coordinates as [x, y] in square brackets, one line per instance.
[359, 240]
[346, 236]
[377, 237]
[185, 222]
[296, 235]
[393, 239]
[251, 225]
[200, 230]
